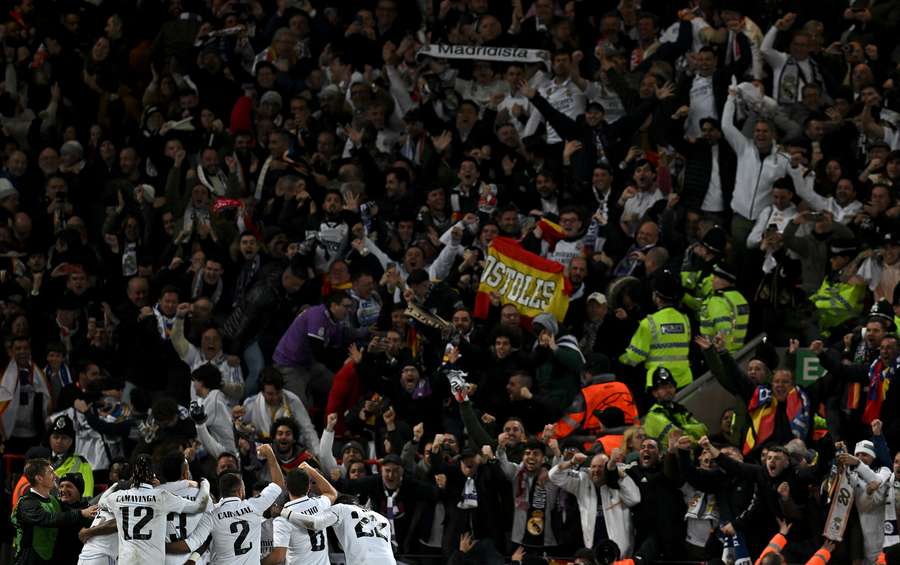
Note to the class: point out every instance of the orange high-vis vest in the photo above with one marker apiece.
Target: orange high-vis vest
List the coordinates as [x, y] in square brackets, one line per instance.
[776, 544]
[583, 415]
[882, 560]
[821, 557]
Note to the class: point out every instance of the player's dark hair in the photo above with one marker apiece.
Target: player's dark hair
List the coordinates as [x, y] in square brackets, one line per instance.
[172, 467]
[297, 482]
[230, 484]
[142, 470]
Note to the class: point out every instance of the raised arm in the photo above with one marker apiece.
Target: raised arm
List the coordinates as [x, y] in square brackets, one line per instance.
[732, 135]
[265, 452]
[322, 485]
[772, 56]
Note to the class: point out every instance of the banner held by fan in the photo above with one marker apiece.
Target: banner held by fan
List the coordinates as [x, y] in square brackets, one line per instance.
[530, 282]
[485, 53]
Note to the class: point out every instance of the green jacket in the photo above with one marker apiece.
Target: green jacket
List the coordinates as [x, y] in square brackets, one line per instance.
[37, 520]
[558, 373]
[660, 420]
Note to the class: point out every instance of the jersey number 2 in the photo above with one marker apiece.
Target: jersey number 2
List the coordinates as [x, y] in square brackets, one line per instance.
[145, 513]
[239, 548]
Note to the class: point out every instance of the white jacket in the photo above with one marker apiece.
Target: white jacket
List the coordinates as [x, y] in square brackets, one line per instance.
[616, 505]
[755, 174]
[871, 510]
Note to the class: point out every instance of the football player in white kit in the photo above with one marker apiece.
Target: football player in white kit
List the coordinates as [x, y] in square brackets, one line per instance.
[365, 535]
[101, 545]
[175, 473]
[235, 522]
[293, 545]
[141, 515]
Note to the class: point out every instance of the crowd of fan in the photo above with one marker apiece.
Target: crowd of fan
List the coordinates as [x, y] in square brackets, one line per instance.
[214, 217]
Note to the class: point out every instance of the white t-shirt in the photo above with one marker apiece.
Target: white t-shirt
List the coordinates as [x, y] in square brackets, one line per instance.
[364, 534]
[306, 547]
[180, 526]
[218, 418]
[106, 545]
[141, 515]
[236, 527]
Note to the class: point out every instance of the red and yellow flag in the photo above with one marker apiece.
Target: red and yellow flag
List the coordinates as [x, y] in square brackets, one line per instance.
[530, 282]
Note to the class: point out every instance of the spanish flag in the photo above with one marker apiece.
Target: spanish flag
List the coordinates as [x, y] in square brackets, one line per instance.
[551, 232]
[530, 282]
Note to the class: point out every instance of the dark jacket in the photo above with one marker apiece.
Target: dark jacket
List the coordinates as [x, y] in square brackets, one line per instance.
[485, 521]
[37, 520]
[698, 167]
[605, 141]
[662, 517]
[767, 503]
[252, 315]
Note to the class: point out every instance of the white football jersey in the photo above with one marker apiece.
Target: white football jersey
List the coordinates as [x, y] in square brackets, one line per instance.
[180, 526]
[266, 537]
[365, 535]
[236, 527]
[106, 545]
[307, 547]
[141, 514]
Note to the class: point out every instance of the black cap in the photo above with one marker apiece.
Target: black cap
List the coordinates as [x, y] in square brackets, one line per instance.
[667, 286]
[353, 444]
[595, 106]
[661, 376]
[892, 238]
[715, 239]
[392, 458]
[63, 425]
[843, 246]
[74, 478]
[724, 272]
[467, 452]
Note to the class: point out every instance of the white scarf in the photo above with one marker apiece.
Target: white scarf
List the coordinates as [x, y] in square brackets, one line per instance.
[261, 181]
[841, 504]
[891, 536]
[163, 323]
[485, 53]
[700, 505]
[260, 417]
[9, 394]
[469, 495]
[217, 184]
[197, 288]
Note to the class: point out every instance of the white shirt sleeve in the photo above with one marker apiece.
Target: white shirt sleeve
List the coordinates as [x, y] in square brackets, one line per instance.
[320, 521]
[281, 532]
